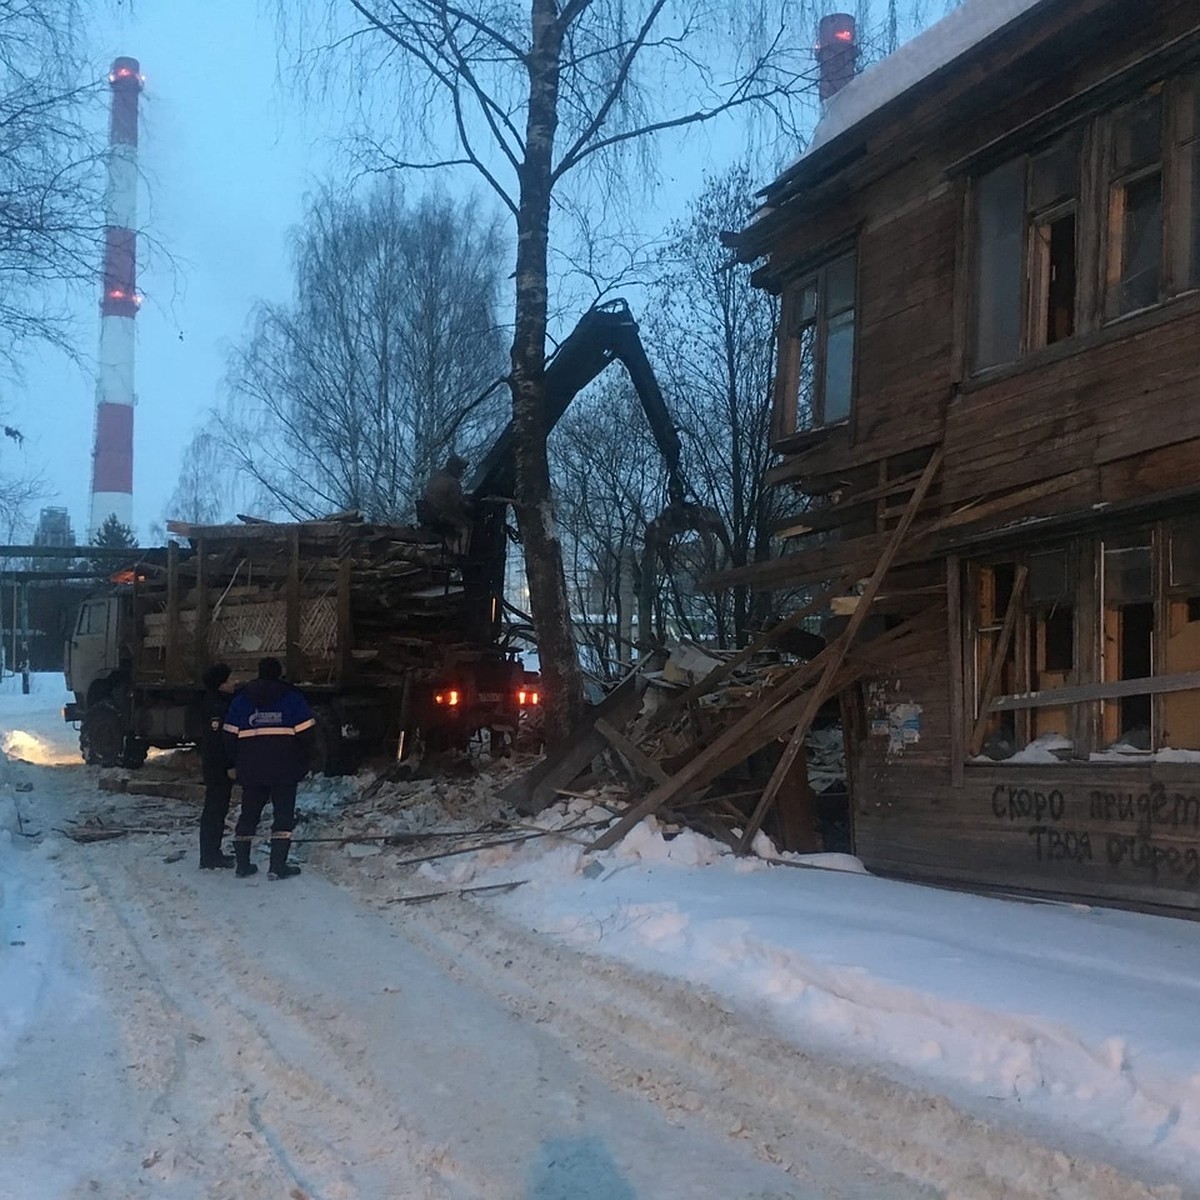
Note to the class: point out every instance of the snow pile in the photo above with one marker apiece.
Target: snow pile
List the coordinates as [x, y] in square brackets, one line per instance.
[31, 726]
[1035, 1009]
[966, 26]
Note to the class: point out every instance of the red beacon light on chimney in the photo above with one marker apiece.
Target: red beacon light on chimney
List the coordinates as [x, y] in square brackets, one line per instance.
[836, 52]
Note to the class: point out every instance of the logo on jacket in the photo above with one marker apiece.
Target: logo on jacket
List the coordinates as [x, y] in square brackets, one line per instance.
[259, 717]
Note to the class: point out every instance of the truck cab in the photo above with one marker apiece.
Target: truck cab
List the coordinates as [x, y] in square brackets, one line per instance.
[92, 655]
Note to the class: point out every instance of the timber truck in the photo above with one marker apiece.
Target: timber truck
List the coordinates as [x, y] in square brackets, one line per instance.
[394, 638]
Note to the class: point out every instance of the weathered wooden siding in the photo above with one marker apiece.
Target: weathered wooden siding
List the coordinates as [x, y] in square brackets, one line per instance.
[1095, 831]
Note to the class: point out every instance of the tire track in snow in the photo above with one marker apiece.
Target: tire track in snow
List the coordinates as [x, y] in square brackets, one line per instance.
[683, 1048]
[277, 1138]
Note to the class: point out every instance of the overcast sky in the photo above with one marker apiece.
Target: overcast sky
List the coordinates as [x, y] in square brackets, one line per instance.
[228, 152]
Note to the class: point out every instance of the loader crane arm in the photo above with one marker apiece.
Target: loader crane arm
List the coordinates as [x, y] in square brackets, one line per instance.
[604, 334]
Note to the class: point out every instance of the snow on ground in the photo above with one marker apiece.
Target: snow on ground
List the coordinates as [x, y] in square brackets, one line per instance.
[198, 1036]
[1079, 1016]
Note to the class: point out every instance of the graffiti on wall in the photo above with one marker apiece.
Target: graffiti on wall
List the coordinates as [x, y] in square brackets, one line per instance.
[1124, 830]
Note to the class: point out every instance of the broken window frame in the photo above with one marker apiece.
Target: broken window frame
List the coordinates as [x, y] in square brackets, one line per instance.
[1095, 723]
[1103, 189]
[816, 323]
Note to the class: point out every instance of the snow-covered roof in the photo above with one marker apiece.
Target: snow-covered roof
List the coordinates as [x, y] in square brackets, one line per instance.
[966, 26]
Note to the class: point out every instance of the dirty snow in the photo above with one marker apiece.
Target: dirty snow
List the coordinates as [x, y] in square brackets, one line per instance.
[660, 1020]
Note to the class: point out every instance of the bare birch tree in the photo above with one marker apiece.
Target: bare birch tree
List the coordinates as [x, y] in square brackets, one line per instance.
[531, 94]
[51, 217]
[348, 396]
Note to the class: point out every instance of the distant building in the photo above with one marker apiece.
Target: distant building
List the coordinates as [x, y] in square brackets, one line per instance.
[54, 528]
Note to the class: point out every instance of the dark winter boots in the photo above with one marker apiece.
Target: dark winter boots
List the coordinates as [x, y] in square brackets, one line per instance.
[210, 846]
[280, 869]
[244, 866]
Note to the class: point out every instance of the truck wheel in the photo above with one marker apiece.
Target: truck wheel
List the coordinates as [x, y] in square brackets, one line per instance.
[329, 751]
[101, 735]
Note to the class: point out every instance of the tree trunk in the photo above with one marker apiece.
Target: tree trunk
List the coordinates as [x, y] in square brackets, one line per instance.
[562, 679]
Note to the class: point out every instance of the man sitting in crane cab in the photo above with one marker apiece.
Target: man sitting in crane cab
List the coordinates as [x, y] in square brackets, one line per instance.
[443, 508]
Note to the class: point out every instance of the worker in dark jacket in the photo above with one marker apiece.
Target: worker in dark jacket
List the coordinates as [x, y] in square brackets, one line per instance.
[443, 507]
[269, 729]
[214, 767]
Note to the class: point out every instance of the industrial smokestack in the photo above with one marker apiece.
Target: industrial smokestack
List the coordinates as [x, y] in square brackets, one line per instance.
[837, 53]
[112, 456]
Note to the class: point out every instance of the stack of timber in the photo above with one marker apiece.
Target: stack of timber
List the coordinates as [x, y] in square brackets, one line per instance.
[329, 597]
[683, 754]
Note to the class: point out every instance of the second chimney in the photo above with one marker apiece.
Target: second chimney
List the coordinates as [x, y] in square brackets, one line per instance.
[837, 53]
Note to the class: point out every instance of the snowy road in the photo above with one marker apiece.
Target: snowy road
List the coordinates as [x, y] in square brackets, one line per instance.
[181, 1034]
[242, 1039]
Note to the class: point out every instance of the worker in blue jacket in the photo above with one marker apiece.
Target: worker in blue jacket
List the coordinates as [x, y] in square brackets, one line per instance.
[269, 730]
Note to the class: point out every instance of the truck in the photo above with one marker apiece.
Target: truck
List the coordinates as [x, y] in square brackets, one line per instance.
[397, 639]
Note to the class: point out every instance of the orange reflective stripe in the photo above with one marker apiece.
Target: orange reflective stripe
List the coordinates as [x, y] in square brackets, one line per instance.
[229, 728]
[274, 731]
[305, 725]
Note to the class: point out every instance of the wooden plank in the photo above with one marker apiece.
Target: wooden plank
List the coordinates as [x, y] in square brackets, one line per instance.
[345, 631]
[984, 509]
[200, 641]
[638, 760]
[999, 654]
[1053, 697]
[822, 690]
[540, 785]
[174, 630]
[820, 563]
[291, 638]
[954, 650]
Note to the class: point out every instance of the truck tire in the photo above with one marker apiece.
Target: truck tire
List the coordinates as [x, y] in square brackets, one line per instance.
[101, 735]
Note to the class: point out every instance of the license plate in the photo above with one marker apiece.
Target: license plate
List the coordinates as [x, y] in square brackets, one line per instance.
[491, 697]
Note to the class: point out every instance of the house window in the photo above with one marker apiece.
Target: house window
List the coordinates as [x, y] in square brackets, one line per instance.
[1065, 240]
[1091, 649]
[817, 360]
[1187, 191]
[1026, 253]
[1136, 206]
[1053, 237]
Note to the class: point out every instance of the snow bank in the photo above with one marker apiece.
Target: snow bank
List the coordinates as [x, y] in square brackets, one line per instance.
[1036, 1008]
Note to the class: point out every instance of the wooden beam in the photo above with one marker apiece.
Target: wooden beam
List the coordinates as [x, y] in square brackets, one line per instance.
[981, 511]
[200, 640]
[531, 792]
[823, 689]
[999, 654]
[638, 760]
[291, 636]
[174, 631]
[1052, 697]
[954, 652]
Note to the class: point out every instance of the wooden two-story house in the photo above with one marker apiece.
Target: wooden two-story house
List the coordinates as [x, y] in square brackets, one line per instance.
[989, 264]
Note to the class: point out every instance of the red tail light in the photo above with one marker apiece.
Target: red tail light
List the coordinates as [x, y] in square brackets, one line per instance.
[527, 698]
[450, 698]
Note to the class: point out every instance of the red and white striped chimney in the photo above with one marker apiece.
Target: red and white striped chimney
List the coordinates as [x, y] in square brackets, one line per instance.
[112, 457]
